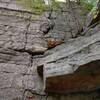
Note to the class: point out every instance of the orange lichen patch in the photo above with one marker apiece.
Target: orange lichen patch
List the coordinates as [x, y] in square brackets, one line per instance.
[86, 78]
[30, 98]
[52, 42]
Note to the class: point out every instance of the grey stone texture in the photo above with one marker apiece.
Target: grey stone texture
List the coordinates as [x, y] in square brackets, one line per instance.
[23, 48]
[20, 38]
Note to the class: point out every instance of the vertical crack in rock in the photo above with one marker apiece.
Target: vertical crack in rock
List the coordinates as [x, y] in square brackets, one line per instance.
[26, 33]
[31, 61]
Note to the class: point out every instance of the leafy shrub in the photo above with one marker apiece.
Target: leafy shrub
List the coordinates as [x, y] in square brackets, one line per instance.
[38, 6]
[88, 4]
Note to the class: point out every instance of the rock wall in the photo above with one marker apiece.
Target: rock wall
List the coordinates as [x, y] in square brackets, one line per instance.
[20, 39]
[28, 41]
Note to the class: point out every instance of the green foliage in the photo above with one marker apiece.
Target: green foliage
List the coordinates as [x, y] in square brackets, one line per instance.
[92, 2]
[38, 6]
[94, 12]
[88, 4]
[55, 5]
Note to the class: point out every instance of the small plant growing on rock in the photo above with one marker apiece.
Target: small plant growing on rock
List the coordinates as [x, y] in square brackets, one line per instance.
[38, 6]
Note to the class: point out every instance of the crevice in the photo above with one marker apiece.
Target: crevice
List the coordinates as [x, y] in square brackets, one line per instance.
[26, 33]
[49, 28]
[29, 52]
[8, 53]
[40, 71]
[32, 54]
[84, 31]
[51, 22]
[4, 88]
[7, 72]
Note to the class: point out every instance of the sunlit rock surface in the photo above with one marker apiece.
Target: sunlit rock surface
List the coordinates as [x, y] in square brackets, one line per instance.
[38, 55]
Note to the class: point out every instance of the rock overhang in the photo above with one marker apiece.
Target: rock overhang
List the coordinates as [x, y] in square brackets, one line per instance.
[59, 69]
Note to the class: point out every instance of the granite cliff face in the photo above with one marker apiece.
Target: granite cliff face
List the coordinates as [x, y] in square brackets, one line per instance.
[39, 56]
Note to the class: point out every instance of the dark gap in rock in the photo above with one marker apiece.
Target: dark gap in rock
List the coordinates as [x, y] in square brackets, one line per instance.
[84, 31]
[31, 61]
[29, 52]
[40, 71]
[48, 29]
